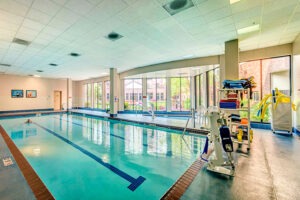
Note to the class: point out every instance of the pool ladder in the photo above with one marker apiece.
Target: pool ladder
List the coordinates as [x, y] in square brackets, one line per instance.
[193, 117]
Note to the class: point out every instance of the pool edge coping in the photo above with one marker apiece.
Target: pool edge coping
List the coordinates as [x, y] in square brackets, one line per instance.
[38, 188]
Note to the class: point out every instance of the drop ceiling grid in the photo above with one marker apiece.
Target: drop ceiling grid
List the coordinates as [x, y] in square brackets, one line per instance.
[58, 29]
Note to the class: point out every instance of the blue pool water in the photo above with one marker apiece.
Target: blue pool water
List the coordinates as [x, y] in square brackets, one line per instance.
[81, 157]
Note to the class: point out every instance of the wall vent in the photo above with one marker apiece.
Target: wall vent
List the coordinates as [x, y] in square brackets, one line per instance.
[5, 65]
[21, 42]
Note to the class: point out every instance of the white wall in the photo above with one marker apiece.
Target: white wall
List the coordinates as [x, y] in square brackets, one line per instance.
[45, 90]
[296, 80]
[280, 80]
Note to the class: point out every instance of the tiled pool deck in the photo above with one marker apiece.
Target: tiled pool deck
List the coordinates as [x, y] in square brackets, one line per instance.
[269, 171]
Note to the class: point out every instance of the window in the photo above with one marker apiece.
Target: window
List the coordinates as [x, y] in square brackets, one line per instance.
[268, 74]
[180, 94]
[133, 87]
[207, 85]
[98, 95]
[156, 87]
[210, 87]
[87, 92]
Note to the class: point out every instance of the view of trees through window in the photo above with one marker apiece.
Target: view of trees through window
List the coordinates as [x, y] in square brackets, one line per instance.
[268, 74]
[207, 85]
[133, 94]
[180, 94]
[98, 95]
[87, 91]
[157, 94]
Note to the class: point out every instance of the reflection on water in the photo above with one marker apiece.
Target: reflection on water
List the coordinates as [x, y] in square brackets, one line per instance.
[138, 139]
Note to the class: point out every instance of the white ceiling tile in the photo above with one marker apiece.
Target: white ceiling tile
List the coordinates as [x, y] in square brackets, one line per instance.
[218, 14]
[11, 18]
[8, 26]
[46, 6]
[38, 16]
[25, 2]
[52, 31]
[79, 6]
[6, 35]
[61, 2]
[14, 7]
[67, 15]
[111, 7]
[27, 23]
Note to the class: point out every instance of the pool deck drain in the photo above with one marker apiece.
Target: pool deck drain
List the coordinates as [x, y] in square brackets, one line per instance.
[182, 184]
[37, 186]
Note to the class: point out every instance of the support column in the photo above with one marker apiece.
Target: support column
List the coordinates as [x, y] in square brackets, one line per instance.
[69, 94]
[232, 59]
[122, 95]
[144, 94]
[169, 97]
[113, 104]
[192, 92]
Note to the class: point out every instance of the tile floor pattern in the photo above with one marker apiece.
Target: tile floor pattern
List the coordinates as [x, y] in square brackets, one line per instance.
[269, 171]
[38, 188]
[12, 183]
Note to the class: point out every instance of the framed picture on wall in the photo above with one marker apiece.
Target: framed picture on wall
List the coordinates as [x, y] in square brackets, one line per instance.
[31, 94]
[16, 93]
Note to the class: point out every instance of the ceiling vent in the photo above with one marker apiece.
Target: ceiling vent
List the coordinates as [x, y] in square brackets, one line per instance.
[5, 65]
[39, 70]
[21, 42]
[113, 36]
[176, 6]
[53, 64]
[74, 54]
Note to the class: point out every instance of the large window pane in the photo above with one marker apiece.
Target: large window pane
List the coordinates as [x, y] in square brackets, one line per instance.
[151, 93]
[197, 91]
[217, 83]
[128, 91]
[185, 100]
[161, 91]
[210, 76]
[89, 95]
[268, 74]
[175, 94]
[98, 95]
[203, 95]
[246, 70]
[133, 94]
[137, 91]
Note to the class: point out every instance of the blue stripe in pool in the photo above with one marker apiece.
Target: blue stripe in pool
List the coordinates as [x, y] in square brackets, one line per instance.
[135, 182]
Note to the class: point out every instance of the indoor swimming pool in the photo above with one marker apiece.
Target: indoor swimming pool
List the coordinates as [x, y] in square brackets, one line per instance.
[83, 157]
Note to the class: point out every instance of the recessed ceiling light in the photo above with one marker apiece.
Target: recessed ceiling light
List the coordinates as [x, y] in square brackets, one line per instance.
[176, 6]
[39, 70]
[248, 29]
[5, 65]
[113, 36]
[53, 64]
[36, 75]
[234, 1]
[74, 54]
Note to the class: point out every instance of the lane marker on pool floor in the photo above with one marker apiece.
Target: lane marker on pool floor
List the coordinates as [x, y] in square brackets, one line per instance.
[135, 182]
